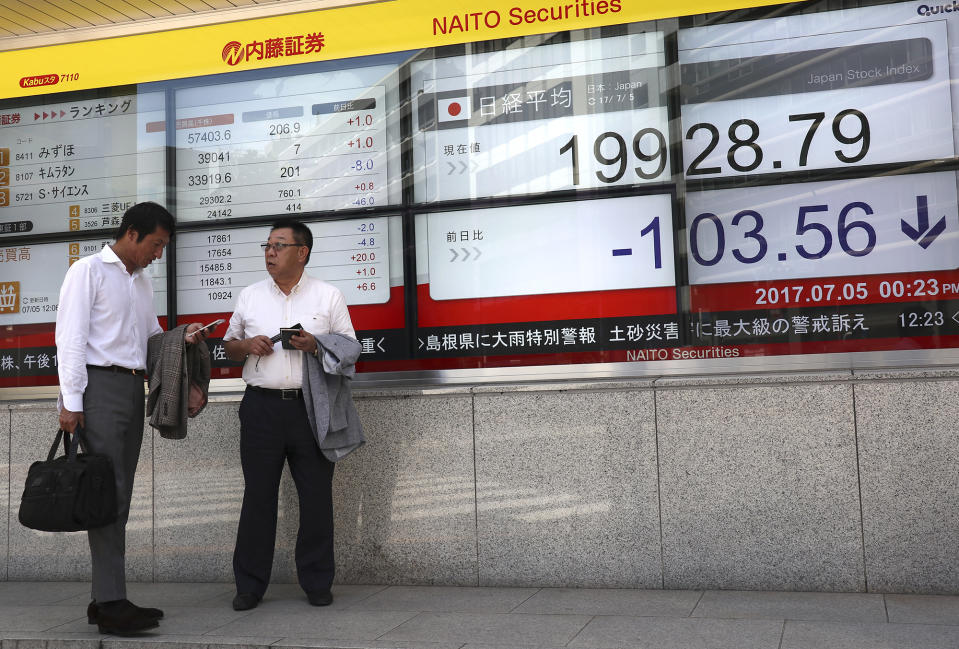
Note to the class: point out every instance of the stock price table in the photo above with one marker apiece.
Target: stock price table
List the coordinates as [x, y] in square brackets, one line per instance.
[288, 154]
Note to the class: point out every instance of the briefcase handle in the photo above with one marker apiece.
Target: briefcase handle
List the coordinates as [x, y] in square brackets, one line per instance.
[69, 448]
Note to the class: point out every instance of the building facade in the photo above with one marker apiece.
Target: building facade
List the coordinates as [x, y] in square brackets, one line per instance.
[646, 299]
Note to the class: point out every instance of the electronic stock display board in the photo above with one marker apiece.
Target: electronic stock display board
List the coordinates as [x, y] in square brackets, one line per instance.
[583, 279]
[361, 257]
[290, 145]
[843, 264]
[648, 192]
[77, 165]
[67, 165]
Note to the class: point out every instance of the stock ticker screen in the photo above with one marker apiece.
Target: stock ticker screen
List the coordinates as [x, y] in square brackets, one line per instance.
[677, 190]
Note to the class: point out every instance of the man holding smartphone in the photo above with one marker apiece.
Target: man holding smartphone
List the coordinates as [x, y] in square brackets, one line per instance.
[274, 426]
[104, 319]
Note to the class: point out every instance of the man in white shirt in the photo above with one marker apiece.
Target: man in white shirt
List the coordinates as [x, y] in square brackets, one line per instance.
[273, 422]
[104, 319]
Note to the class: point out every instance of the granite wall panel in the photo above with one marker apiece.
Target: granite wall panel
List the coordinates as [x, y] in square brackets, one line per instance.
[759, 487]
[405, 503]
[909, 462]
[199, 489]
[566, 488]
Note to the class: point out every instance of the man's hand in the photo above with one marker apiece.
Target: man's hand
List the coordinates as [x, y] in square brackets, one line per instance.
[259, 346]
[196, 401]
[238, 350]
[191, 332]
[304, 341]
[69, 420]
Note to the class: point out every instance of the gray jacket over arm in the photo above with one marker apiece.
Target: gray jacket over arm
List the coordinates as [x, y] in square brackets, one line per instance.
[173, 365]
[328, 393]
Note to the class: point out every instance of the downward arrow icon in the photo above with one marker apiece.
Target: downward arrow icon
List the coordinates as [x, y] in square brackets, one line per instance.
[923, 234]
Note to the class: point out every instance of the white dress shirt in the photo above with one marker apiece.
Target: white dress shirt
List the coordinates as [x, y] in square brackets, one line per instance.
[262, 309]
[105, 317]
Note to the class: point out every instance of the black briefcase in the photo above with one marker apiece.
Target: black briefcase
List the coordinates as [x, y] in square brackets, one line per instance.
[76, 491]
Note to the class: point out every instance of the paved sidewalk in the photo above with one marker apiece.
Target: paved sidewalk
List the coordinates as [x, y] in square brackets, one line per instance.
[40, 615]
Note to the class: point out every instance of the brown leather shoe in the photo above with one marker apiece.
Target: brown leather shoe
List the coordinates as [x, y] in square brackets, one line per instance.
[123, 618]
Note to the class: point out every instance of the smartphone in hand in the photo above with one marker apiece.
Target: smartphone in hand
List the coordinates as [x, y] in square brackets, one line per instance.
[209, 326]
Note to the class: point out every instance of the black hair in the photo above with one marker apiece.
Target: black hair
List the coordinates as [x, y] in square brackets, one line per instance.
[301, 233]
[144, 218]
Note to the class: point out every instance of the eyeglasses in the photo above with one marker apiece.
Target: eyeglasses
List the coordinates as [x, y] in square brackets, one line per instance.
[278, 247]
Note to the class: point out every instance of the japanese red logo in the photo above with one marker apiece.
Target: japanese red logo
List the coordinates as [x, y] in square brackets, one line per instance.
[233, 53]
[39, 80]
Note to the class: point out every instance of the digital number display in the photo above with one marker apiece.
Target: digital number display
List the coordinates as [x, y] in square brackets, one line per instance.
[567, 248]
[244, 150]
[78, 165]
[580, 278]
[817, 96]
[352, 255]
[685, 189]
[768, 240]
[578, 115]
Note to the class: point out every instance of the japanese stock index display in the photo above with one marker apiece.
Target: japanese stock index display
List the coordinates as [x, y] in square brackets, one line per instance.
[289, 154]
[823, 92]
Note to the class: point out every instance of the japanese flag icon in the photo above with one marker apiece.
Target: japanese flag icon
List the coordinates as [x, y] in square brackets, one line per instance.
[456, 109]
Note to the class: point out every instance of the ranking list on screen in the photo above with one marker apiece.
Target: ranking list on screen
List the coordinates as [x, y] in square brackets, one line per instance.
[287, 154]
[78, 165]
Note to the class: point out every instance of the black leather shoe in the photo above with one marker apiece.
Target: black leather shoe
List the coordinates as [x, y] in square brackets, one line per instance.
[123, 618]
[245, 601]
[320, 598]
[93, 611]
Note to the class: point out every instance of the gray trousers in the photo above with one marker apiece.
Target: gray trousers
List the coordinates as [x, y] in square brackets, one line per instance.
[113, 408]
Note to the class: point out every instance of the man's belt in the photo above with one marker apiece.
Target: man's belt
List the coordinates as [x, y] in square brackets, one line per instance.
[116, 369]
[288, 394]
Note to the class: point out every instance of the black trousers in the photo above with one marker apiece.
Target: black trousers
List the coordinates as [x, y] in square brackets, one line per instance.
[273, 430]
